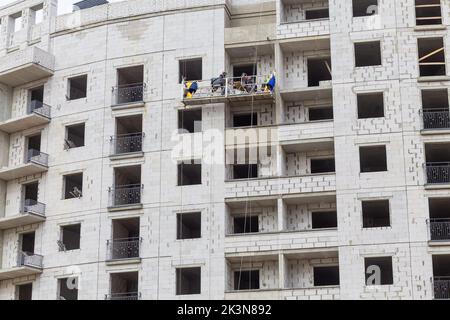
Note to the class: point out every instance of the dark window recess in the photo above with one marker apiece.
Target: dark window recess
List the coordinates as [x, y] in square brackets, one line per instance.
[362, 8]
[245, 171]
[75, 136]
[431, 57]
[376, 214]
[373, 159]
[320, 113]
[368, 54]
[326, 276]
[312, 14]
[73, 186]
[246, 280]
[188, 281]
[324, 219]
[318, 70]
[190, 120]
[189, 225]
[70, 237]
[248, 224]
[25, 291]
[379, 271]
[77, 87]
[191, 70]
[428, 12]
[370, 105]
[36, 98]
[68, 288]
[27, 242]
[248, 69]
[189, 173]
[435, 99]
[322, 165]
[245, 119]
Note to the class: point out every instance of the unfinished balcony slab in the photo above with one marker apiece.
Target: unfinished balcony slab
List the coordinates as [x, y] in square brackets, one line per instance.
[323, 92]
[314, 132]
[279, 186]
[22, 123]
[18, 272]
[20, 220]
[27, 169]
[275, 241]
[314, 293]
[25, 66]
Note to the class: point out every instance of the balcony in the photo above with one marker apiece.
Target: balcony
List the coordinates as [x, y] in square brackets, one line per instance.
[276, 186]
[123, 249]
[128, 296]
[228, 90]
[38, 113]
[439, 229]
[35, 162]
[436, 119]
[27, 265]
[127, 144]
[25, 66]
[441, 286]
[125, 197]
[128, 95]
[438, 173]
[314, 132]
[32, 212]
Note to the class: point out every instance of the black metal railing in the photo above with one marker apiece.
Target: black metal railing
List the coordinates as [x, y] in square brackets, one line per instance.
[438, 172]
[126, 248]
[33, 206]
[128, 93]
[37, 156]
[39, 107]
[441, 288]
[123, 296]
[29, 259]
[126, 195]
[127, 143]
[439, 229]
[436, 119]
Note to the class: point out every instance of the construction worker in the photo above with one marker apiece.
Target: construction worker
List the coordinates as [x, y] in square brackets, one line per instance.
[271, 82]
[191, 88]
[219, 82]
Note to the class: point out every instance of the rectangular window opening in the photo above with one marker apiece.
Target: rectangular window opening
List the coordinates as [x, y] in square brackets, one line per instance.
[189, 225]
[70, 237]
[313, 14]
[246, 280]
[379, 271]
[190, 121]
[428, 12]
[376, 214]
[74, 136]
[319, 70]
[363, 8]
[324, 220]
[431, 57]
[189, 173]
[248, 224]
[245, 119]
[320, 113]
[373, 159]
[188, 281]
[73, 186]
[326, 276]
[370, 105]
[68, 288]
[368, 54]
[322, 165]
[191, 70]
[77, 87]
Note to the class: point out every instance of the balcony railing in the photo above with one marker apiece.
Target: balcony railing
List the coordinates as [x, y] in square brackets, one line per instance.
[126, 195]
[227, 87]
[127, 248]
[441, 288]
[436, 119]
[124, 296]
[438, 173]
[128, 93]
[37, 156]
[32, 206]
[127, 143]
[28, 259]
[39, 108]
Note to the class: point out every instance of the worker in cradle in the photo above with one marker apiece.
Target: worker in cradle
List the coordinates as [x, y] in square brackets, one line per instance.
[219, 82]
[191, 88]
